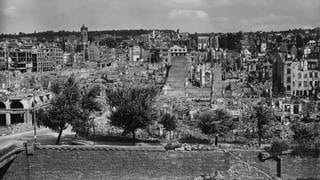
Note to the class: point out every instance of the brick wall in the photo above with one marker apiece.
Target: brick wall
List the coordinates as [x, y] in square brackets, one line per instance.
[104, 163]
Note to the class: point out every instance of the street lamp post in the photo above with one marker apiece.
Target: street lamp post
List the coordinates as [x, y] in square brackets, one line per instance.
[34, 118]
[34, 113]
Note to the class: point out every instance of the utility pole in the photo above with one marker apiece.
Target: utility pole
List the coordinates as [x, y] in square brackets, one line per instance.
[34, 117]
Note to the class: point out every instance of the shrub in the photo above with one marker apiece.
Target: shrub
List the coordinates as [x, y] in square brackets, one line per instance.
[104, 128]
[194, 140]
[278, 146]
[172, 146]
[191, 135]
[236, 139]
[215, 122]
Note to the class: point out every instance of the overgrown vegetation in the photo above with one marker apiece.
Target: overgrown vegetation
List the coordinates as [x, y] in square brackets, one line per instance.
[132, 107]
[68, 106]
[169, 122]
[306, 138]
[215, 122]
[278, 147]
[260, 124]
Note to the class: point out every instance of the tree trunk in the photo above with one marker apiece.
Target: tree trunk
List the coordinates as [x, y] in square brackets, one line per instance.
[133, 137]
[60, 133]
[94, 134]
[259, 130]
[259, 139]
[94, 131]
[278, 159]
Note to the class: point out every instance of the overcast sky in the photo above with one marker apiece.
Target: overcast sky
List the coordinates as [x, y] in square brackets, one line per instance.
[187, 15]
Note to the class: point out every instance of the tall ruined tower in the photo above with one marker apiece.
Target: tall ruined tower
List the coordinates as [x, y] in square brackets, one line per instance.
[84, 41]
[216, 82]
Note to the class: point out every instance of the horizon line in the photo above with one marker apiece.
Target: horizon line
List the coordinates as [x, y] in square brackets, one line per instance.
[145, 29]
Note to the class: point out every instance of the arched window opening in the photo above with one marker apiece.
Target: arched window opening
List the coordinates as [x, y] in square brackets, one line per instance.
[16, 105]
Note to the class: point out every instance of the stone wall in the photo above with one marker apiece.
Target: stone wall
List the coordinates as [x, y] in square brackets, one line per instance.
[81, 162]
[292, 167]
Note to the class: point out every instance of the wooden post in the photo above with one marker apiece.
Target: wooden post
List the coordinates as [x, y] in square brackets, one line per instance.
[216, 140]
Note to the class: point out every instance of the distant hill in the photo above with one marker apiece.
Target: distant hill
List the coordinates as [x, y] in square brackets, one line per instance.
[317, 29]
[52, 34]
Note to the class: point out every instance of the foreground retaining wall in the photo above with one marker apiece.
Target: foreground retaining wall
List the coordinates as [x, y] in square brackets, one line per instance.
[105, 162]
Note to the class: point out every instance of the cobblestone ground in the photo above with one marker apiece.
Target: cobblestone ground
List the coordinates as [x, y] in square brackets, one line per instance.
[176, 80]
[177, 74]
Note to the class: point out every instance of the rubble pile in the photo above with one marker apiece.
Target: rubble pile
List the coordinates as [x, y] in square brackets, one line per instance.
[16, 128]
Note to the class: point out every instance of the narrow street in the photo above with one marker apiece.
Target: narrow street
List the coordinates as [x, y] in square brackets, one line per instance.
[44, 136]
[177, 74]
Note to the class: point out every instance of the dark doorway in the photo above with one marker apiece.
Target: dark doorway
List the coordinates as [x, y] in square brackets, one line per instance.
[296, 109]
[2, 116]
[17, 118]
[3, 120]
